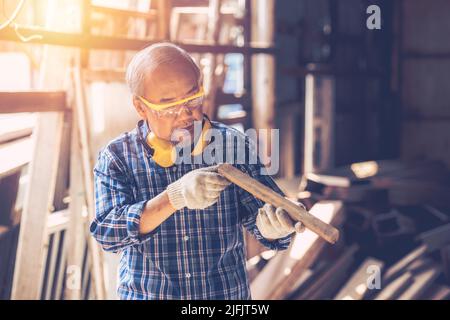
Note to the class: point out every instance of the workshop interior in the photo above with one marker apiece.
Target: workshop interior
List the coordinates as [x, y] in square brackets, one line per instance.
[357, 91]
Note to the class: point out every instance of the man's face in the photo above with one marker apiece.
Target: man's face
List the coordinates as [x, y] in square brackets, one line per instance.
[168, 84]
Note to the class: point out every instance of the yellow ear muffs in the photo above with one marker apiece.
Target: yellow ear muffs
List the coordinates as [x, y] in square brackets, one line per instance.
[164, 152]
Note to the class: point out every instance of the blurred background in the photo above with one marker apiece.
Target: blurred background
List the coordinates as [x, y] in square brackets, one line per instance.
[359, 90]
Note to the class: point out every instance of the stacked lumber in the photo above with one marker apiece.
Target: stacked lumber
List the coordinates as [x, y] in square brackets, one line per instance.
[394, 220]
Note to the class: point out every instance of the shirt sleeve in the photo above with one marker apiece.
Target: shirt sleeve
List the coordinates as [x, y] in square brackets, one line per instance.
[117, 214]
[250, 207]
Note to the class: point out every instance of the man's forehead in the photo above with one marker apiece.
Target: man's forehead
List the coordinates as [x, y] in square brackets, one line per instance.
[166, 86]
[170, 97]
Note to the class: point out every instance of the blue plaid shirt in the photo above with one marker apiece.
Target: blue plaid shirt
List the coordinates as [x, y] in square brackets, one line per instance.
[194, 254]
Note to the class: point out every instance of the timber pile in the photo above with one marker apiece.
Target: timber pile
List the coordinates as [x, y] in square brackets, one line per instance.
[394, 220]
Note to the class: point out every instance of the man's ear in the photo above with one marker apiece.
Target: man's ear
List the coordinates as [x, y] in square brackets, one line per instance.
[139, 108]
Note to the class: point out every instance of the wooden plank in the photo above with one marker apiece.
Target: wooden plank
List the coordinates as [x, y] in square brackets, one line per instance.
[104, 75]
[356, 287]
[437, 292]
[120, 43]
[59, 285]
[335, 270]
[403, 263]
[76, 233]
[396, 287]
[437, 213]
[52, 258]
[421, 283]
[263, 73]
[164, 8]
[14, 127]
[445, 257]
[14, 102]
[42, 176]
[62, 179]
[15, 155]
[268, 278]
[282, 272]
[86, 277]
[125, 13]
[86, 25]
[58, 221]
[80, 112]
[436, 238]
[319, 123]
[212, 36]
[296, 212]
[307, 246]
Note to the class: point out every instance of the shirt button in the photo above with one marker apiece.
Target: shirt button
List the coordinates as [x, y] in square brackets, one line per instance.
[188, 275]
[186, 238]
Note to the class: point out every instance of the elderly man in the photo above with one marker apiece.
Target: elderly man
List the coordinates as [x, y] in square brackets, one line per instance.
[178, 226]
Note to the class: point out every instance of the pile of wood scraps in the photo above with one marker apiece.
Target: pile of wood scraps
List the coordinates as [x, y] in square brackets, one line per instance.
[394, 222]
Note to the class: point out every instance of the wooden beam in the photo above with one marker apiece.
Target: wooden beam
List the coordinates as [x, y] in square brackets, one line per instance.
[93, 42]
[325, 283]
[58, 221]
[15, 127]
[421, 283]
[307, 247]
[15, 102]
[262, 192]
[39, 195]
[15, 155]
[399, 267]
[436, 238]
[164, 9]
[76, 233]
[80, 114]
[437, 292]
[104, 75]
[125, 13]
[282, 273]
[396, 287]
[356, 286]
[445, 257]
[263, 72]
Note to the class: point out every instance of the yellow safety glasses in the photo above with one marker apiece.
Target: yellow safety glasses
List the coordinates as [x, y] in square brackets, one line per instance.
[173, 109]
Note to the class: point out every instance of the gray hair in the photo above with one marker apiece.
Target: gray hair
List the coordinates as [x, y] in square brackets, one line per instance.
[150, 58]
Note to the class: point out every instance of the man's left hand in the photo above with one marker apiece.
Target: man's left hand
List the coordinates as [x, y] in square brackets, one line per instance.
[275, 223]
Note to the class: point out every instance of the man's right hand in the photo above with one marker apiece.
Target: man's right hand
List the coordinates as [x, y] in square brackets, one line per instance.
[197, 189]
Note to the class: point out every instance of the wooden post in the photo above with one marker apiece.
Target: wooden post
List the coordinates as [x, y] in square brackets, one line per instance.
[212, 37]
[319, 123]
[163, 12]
[76, 232]
[80, 114]
[39, 196]
[86, 30]
[263, 71]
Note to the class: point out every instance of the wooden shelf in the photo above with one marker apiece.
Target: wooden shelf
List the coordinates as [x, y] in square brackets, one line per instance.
[15, 102]
[125, 13]
[87, 41]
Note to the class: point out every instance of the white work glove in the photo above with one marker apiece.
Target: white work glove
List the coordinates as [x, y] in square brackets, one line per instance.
[197, 189]
[275, 223]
